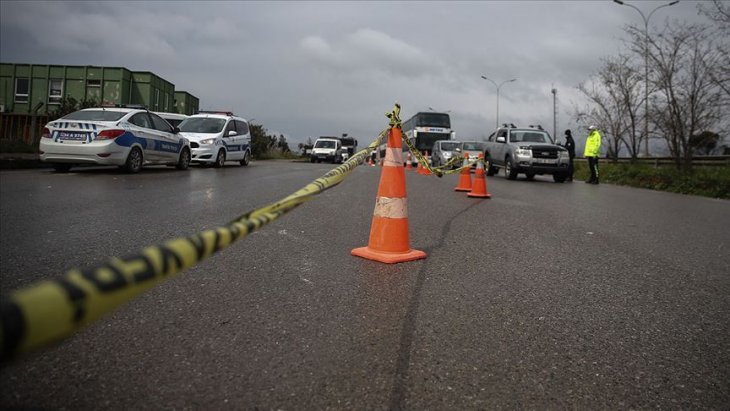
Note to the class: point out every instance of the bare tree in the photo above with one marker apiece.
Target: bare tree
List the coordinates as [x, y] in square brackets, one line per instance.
[719, 13]
[615, 94]
[686, 99]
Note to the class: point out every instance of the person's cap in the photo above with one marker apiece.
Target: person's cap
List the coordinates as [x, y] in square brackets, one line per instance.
[567, 132]
[591, 127]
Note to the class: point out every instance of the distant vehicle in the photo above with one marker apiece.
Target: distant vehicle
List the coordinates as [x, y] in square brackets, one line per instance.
[173, 118]
[217, 137]
[473, 149]
[349, 147]
[125, 137]
[525, 150]
[443, 151]
[422, 130]
[327, 149]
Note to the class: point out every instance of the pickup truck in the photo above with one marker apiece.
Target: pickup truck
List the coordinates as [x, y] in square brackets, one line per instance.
[525, 150]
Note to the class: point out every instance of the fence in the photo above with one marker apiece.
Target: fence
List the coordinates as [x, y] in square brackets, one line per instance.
[22, 128]
[667, 161]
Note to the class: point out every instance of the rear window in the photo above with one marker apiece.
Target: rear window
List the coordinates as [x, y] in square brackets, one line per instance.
[202, 125]
[472, 146]
[451, 146]
[95, 115]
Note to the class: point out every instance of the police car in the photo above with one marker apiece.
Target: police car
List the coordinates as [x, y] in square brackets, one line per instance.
[217, 137]
[125, 137]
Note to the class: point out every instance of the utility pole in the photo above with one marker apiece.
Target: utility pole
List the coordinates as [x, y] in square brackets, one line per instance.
[555, 114]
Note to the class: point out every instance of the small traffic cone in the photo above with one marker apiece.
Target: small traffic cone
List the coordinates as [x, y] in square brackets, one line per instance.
[465, 176]
[389, 241]
[479, 188]
[409, 166]
[426, 171]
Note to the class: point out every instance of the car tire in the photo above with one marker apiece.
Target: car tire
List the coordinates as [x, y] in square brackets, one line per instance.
[184, 161]
[491, 170]
[220, 159]
[246, 158]
[134, 161]
[530, 176]
[61, 168]
[509, 169]
[559, 178]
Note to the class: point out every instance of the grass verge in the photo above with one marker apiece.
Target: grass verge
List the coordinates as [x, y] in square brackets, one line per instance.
[707, 181]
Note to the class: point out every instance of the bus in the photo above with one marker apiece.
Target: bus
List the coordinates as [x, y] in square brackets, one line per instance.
[422, 130]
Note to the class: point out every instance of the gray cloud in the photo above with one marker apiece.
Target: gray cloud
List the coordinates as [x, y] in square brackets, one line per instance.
[321, 68]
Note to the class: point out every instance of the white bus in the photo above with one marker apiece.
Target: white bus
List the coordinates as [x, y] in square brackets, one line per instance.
[424, 129]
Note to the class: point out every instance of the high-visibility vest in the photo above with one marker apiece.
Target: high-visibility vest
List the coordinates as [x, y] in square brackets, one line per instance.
[593, 145]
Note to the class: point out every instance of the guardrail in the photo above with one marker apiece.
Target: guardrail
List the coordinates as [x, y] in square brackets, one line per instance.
[666, 161]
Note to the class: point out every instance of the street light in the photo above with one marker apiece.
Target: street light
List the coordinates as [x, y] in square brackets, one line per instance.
[646, 65]
[498, 87]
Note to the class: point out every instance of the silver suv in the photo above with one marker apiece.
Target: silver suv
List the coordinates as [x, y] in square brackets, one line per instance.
[525, 150]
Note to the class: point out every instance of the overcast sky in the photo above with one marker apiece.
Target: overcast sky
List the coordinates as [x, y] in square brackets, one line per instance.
[306, 69]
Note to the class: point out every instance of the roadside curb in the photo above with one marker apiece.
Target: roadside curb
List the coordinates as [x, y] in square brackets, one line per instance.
[18, 161]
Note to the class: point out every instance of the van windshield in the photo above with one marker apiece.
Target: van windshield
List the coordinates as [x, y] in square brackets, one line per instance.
[325, 144]
[202, 125]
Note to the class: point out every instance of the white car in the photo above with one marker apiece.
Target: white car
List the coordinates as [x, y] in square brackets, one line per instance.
[125, 137]
[217, 137]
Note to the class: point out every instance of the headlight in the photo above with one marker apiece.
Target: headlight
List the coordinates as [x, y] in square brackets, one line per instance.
[523, 152]
[207, 141]
[563, 154]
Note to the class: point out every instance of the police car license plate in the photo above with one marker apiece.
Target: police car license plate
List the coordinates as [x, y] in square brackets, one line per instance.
[72, 136]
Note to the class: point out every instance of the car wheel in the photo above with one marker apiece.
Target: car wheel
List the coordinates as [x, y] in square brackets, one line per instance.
[491, 170]
[530, 176]
[220, 159]
[184, 161]
[509, 169]
[134, 161]
[61, 168]
[246, 158]
[559, 178]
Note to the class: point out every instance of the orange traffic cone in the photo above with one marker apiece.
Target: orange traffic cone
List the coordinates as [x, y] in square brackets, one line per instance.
[479, 188]
[426, 171]
[465, 176]
[409, 166]
[389, 241]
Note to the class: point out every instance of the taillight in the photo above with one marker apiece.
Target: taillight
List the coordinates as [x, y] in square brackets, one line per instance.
[46, 133]
[109, 134]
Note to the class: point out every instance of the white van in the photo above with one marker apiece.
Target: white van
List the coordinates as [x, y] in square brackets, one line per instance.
[217, 137]
[327, 149]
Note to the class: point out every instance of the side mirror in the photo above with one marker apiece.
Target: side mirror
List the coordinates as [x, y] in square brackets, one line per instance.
[175, 130]
[501, 139]
[232, 133]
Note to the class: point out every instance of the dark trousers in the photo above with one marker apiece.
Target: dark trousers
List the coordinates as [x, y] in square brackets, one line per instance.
[570, 169]
[593, 166]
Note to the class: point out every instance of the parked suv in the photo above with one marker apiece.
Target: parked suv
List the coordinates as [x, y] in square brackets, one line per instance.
[525, 150]
[217, 137]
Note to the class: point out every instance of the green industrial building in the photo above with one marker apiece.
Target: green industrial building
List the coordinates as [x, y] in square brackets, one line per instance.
[38, 89]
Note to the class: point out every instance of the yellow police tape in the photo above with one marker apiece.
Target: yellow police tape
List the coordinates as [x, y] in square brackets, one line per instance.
[51, 310]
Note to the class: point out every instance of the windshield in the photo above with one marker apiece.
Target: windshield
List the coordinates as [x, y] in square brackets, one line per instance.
[434, 120]
[96, 115]
[202, 125]
[472, 146]
[529, 137]
[450, 146]
[325, 144]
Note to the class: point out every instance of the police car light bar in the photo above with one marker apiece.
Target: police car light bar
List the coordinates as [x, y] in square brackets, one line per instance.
[227, 113]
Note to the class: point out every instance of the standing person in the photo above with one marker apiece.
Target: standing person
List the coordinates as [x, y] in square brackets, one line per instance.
[592, 152]
[570, 145]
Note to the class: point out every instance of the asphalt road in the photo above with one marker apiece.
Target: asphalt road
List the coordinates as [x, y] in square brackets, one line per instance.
[546, 296]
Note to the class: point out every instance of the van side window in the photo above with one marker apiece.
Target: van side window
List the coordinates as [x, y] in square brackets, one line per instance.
[242, 127]
[230, 127]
